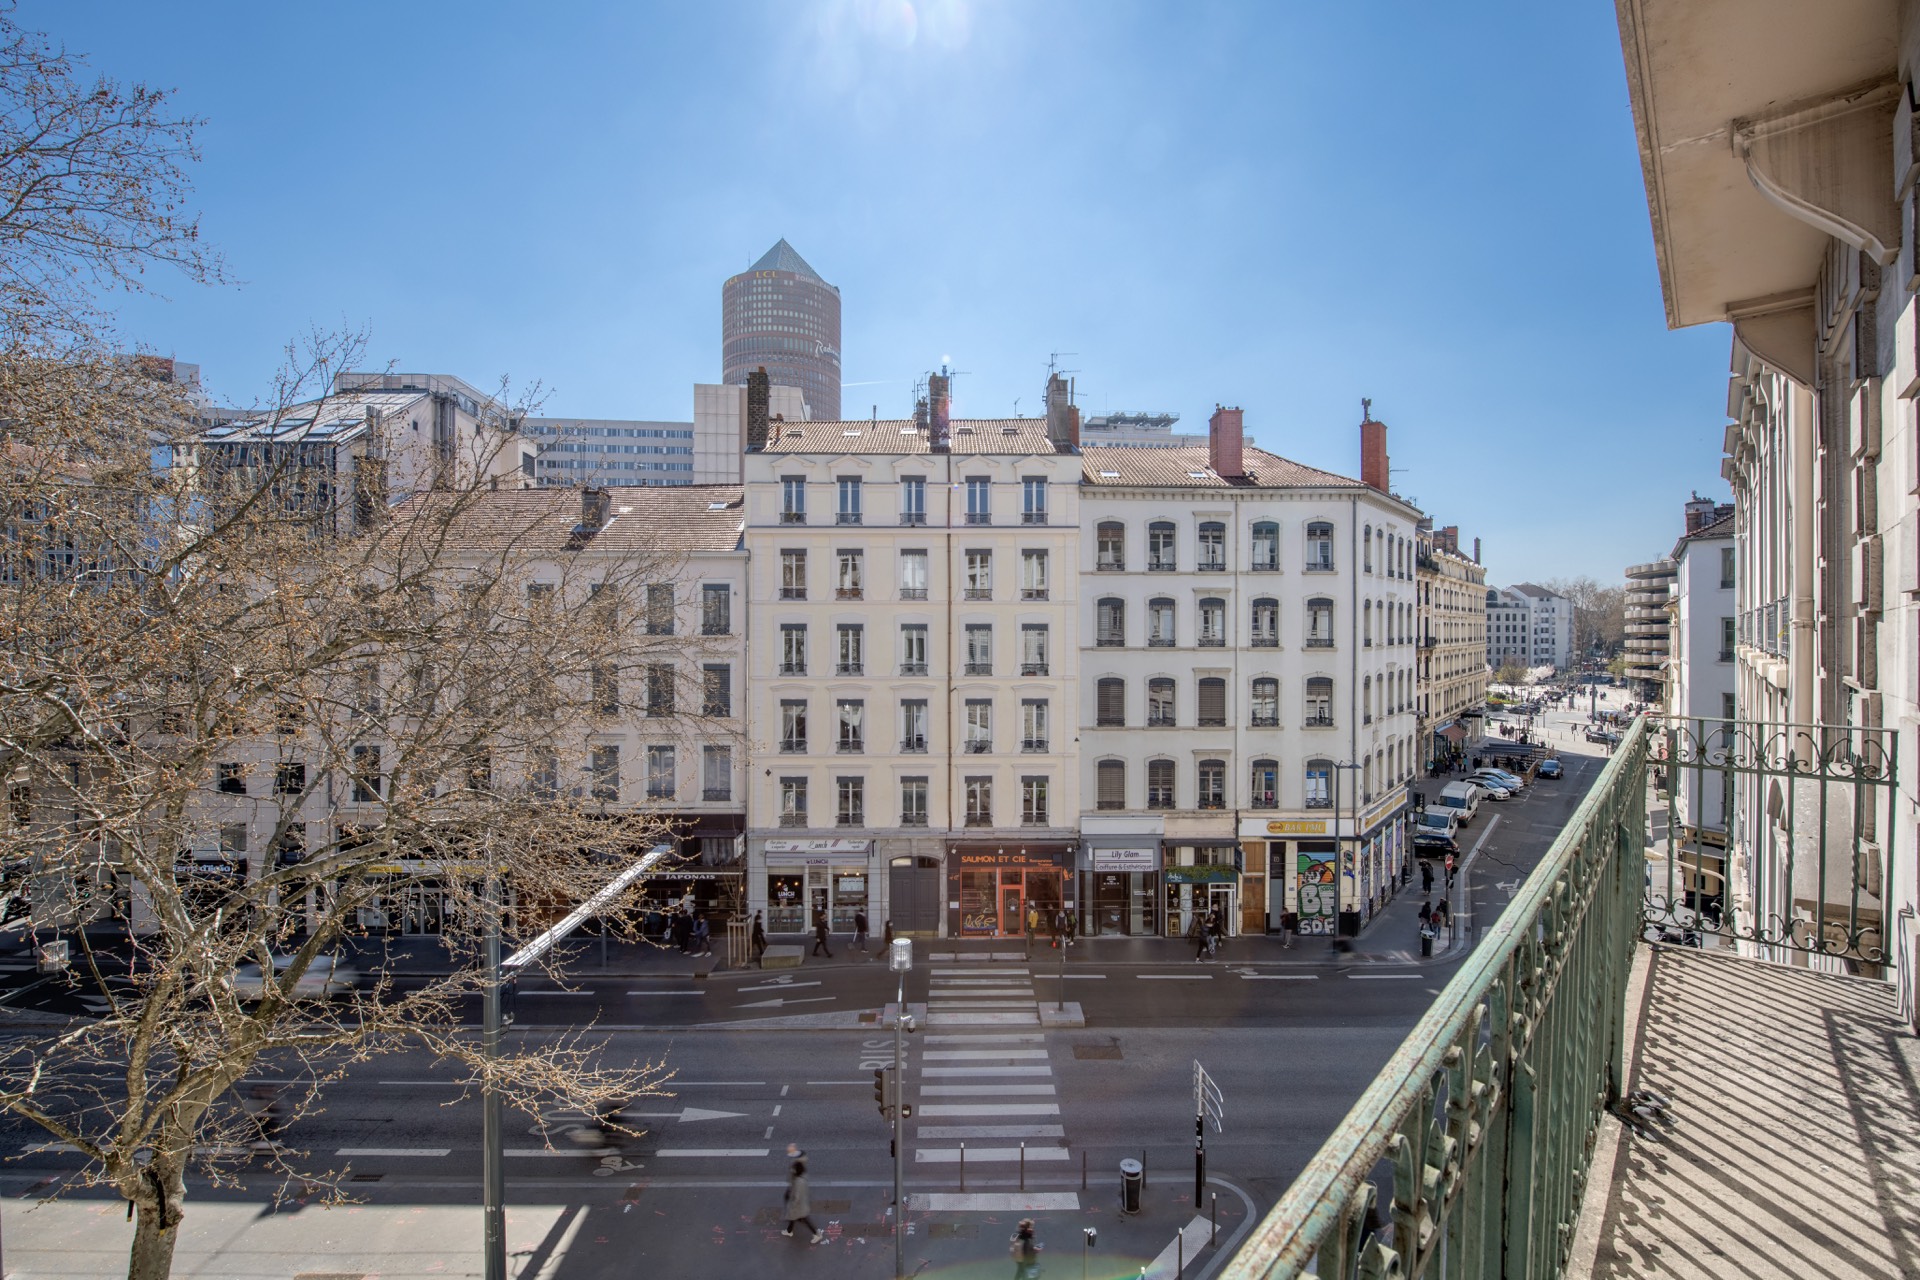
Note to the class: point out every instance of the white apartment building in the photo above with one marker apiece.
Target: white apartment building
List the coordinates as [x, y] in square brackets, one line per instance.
[1453, 641]
[911, 704]
[1797, 229]
[1246, 684]
[1529, 625]
[1700, 685]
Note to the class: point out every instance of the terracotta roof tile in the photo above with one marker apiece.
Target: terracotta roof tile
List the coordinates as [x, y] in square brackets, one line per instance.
[1190, 467]
[675, 519]
[899, 435]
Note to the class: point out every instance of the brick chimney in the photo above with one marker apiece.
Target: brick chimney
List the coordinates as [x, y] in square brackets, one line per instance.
[1373, 454]
[1449, 537]
[759, 401]
[1225, 435]
[1700, 513]
[594, 505]
[1476, 551]
[939, 409]
[1063, 418]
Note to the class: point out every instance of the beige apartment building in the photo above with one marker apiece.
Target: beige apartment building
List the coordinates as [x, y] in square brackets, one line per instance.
[1452, 592]
[912, 626]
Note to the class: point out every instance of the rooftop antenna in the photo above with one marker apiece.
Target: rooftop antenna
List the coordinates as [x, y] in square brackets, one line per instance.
[1053, 362]
[1366, 409]
[1016, 406]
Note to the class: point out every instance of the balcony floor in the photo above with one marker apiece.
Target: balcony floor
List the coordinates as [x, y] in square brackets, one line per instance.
[1795, 1149]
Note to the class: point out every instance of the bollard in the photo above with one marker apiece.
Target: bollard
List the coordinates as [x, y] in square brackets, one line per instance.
[1180, 1256]
[963, 1166]
[1214, 1238]
[1083, 1168]
[1130, 1184]
[1023, 1166]
[1143, 1168]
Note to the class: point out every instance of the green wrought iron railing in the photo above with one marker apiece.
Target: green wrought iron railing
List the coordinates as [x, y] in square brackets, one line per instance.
[1467, 1156]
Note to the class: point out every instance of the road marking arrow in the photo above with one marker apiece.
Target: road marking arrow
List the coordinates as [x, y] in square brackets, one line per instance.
[1511, 886]
[778, 984]
[684, 1115]
[775, 1004]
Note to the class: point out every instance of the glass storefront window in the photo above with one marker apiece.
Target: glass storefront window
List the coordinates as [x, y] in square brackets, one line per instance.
[979, 902]
[849, 896]
[786, 902]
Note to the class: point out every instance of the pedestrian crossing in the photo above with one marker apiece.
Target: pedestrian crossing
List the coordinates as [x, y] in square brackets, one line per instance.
[979, 1064]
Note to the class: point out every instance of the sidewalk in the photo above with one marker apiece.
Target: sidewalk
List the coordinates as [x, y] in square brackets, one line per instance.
[602, 1232]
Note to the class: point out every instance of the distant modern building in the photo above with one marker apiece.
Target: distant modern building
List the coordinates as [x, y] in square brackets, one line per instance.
[1648, 628]
[620, 451]
[779, 315]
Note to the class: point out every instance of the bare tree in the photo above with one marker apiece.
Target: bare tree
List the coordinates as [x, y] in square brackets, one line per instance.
[1599, 612]
[250, 704]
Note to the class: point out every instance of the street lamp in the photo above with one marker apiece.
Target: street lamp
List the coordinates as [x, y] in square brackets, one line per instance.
[900, 960]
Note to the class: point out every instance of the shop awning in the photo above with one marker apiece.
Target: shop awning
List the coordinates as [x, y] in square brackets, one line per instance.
[1454, 733]
[1202, 875]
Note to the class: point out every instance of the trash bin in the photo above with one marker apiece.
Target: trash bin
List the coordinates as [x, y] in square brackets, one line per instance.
[1132, 1178]
[1349, 923]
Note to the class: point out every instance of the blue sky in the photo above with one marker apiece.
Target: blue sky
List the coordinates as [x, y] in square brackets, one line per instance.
[1281, 206]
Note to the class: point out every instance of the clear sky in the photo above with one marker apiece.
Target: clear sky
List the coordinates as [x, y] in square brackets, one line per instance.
[1276, 205]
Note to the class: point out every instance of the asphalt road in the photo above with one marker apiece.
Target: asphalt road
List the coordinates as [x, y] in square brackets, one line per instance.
[1291, 1040]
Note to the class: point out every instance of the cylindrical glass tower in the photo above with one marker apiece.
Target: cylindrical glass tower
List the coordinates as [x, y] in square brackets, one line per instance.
[779, 314]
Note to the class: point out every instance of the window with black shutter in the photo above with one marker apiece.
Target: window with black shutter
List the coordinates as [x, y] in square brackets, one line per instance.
[1213, 701]
[1111, 784]
[1112, 702]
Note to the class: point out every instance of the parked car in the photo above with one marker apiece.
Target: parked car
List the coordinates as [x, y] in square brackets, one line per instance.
[1607, 736]
[1433, 844]
[1548, 768]
[1493, 790]
[1437, 822]
[325, 978]
[1460, 798]
[1511, 781]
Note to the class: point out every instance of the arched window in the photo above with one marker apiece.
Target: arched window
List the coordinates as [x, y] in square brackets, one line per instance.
[1110, 623]
[1319, 547]
[1110, 702]
[1110, 786]
[1160, 623]
[1264, 554]
[1160, 553]
[1264, 629]
[1159, 784]
[1212, 702]
[1160, 711]
[1264, 792]
[1265, 711]
[1319, 704]
[1213, 547]
[1366, 622]
[1213, 623]
[1212, 778]
[1366, 549]
[1366, 700]
[1111, 544]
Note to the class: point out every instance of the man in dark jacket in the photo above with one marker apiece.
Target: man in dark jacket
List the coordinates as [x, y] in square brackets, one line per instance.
[820, 934]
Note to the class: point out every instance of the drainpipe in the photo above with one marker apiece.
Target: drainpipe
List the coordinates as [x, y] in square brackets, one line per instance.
[1353, 687]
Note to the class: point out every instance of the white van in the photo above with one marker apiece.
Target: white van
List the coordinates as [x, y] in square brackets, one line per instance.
[1437, 822]
[1460, 798]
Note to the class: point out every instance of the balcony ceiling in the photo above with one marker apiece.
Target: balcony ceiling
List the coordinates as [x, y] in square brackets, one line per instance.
[1693, 68]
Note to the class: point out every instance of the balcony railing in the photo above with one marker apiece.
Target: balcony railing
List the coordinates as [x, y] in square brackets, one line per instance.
[1265, 642]
[979, 517]
[793, 746]
[1033, 668]
[913, 593]
[848, 593]
[913, 517]
[716, 793]
[793, 517]
[849, 746]
[1264, 722]
[1319, 642]
[979, 820]
[1109, 640]
[1109, 564]
[847, 517]
[793, 668]
[1213, 642]
[793, 593]
[1161, 564]
[849, 668]
[978, 747]
[1033, 517]
[793, 819]
[1318, 720]
[913, 819]
[913, 668]
[1159, 642]
[979, 593]
[1033, 593]
[852, 818]
[913, 746]
[979, 668]
[1033, 744]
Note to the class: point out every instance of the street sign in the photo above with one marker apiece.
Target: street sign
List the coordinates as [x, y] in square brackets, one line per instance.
[1208, 1101]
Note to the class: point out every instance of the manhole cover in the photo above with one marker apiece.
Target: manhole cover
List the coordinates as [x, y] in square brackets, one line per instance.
[1106, 1052]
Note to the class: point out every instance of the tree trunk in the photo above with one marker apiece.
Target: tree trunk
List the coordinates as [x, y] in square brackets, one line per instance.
[156, 1227]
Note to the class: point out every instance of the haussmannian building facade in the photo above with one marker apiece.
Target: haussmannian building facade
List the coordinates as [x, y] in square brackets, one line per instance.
[1451, 627]
[1247, 686]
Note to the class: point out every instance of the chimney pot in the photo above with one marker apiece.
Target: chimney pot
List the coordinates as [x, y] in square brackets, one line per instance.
[1225, 442]
[940, 408]
[593, 509]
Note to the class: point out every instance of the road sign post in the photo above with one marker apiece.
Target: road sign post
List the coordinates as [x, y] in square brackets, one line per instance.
[1208, 1104]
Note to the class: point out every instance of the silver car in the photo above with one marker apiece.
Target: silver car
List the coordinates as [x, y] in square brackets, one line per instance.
[325, 978]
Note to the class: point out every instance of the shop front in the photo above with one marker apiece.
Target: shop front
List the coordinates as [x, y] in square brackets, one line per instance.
[705, 873]
[806, 877]
[1270, 878]
[994, 891]
[1121, 886]
[1200, 876]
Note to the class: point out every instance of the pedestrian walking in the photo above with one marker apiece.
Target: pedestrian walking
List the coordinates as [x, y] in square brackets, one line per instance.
[888, 948]
[1442, 914]
[1289, 925]
[820, 934]
[799, 1203]
[702, 935]
[1025, 1251]
[1073, 926]
[759, 941]
[1199, 935]
[860, 931]
[1056, 927]
[1426, 877]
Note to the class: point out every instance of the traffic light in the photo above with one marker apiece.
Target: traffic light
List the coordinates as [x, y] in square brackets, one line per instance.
[886, 1090]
